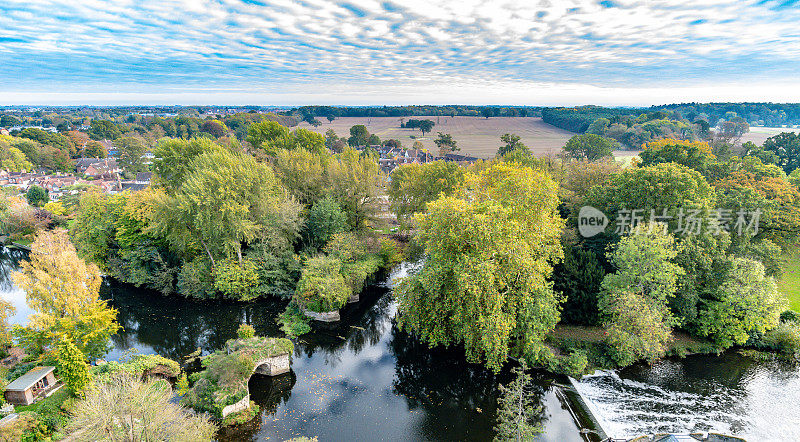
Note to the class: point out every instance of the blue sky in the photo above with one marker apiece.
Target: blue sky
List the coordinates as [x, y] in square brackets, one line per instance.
[283, 52]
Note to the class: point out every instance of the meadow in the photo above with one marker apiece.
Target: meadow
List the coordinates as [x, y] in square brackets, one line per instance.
[476, 136]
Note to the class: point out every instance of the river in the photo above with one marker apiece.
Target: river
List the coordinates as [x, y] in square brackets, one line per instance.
[363, 379]
[360, 379]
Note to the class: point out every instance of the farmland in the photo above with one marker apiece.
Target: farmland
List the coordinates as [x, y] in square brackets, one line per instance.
[476, 136]
[759, 134]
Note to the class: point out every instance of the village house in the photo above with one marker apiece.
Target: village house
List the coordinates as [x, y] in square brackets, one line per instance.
[34, 384]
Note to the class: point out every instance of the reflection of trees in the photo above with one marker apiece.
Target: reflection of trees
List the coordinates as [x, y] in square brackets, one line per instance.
[9, 262]
[175, 327]
[448, 390]
[363, 323]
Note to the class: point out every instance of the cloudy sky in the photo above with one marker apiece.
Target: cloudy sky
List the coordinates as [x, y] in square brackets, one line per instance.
[283, 52]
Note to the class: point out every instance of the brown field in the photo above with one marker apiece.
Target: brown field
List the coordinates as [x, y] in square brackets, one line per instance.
[476, 136]
[759, 134]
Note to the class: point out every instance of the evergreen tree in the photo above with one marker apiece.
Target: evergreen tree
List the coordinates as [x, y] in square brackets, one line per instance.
[72, 367]
[516, 409]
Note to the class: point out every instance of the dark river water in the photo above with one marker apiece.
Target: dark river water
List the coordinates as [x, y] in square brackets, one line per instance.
[363, 379]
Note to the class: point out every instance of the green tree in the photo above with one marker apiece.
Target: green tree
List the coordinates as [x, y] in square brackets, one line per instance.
[579, 278]
[322, 288]
[72, 366]
[37, 196]
[786, 146]
[598, 126]
[634, 299]
[173, 157]
[325, 219]
[516, 410]
[747, 302]
[356, 183]
[359, 136]
[104, 130]
[589, 147]
[414, 185]
[308, 140]
[695, 155]
[236, 279]
[511, 143]
[425, 126]
[63, 292]
[227, 200]
[268, 137]
[489, 252]
[130, 151]
[446, 144]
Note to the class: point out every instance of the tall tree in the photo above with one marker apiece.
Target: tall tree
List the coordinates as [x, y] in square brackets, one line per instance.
[446, 144]
[489, 252]
[227, 200]
[517, 411]
[511, 142]
[786, 146]
[589, 147]
[634, 299]
[414, 185]
[268, 137]
[747, 302]
[130, 151]
[63, 292]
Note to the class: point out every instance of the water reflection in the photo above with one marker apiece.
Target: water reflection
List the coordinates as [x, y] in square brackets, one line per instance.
[360, 379]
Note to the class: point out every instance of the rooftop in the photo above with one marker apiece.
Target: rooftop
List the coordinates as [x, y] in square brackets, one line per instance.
[27, 380]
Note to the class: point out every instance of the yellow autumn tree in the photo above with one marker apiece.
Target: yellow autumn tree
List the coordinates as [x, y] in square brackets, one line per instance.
[64, 293]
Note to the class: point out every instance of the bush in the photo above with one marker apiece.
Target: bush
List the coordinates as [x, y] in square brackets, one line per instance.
[27, 427]
[245, 331]
[293, 322]
[784, 338]
[195, 279]
[236, 280]
[321, 287]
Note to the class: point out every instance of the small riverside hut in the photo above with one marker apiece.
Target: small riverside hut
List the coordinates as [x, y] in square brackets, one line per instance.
[26, 388]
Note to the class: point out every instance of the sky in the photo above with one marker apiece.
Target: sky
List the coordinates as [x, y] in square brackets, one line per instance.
[359, 52]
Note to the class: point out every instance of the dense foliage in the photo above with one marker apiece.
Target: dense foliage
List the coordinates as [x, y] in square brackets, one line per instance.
[489, 250]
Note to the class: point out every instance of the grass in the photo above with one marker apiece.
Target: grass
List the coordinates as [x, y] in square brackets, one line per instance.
[789, 283]
[54, 400]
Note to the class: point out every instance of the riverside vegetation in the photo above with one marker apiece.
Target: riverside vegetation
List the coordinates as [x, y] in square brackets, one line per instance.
[503, 272]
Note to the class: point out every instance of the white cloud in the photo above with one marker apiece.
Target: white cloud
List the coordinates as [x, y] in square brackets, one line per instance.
[152, 45]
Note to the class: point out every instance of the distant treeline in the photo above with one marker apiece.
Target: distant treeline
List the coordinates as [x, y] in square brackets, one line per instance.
[578, 119]
[415, 111]
[756, 114]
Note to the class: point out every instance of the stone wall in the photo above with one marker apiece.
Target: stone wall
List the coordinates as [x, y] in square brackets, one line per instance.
[331, 316]
[239, 406]
[274, 366]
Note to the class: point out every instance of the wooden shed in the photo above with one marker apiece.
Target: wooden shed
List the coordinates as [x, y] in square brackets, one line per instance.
[26, 388]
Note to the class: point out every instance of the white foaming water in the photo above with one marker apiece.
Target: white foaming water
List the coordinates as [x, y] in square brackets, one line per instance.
[759, 401]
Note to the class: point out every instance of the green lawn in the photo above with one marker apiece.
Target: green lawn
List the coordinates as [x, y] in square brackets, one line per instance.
[789, 283]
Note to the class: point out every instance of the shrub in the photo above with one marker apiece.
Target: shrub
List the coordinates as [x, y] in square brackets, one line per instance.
[241, 417]
[122, 405]
[293, 322]
[321, 287]
[72, 366]
[245, 331]
[195, 279]
[236, 279]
